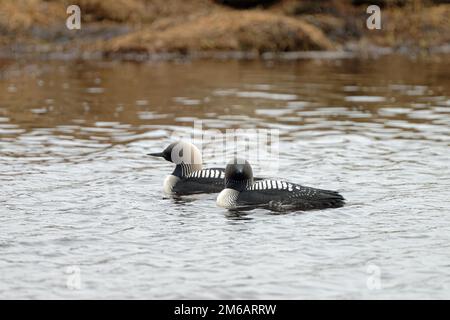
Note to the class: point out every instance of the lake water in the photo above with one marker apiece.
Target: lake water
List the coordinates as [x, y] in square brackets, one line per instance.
[83, 215]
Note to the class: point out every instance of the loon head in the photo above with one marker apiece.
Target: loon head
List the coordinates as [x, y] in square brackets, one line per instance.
[238, 174]
[185, 155]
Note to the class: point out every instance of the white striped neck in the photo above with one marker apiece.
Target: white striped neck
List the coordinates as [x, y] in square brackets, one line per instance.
[238, 185]
[183, 170]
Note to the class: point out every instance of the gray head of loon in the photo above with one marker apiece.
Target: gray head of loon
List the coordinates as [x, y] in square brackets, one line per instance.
[185, 155]
[238, 174]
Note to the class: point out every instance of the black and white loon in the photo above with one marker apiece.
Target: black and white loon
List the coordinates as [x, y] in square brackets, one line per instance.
[241, 191]
[188, 176]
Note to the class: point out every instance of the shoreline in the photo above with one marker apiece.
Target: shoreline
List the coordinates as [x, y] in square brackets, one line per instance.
[371, 52]
[164, 30]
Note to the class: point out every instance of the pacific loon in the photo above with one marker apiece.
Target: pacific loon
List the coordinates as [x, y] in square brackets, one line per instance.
[188, 176]
[242, 191]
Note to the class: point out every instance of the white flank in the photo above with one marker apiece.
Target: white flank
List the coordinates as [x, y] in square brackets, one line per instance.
[169, 183]
[227, 198]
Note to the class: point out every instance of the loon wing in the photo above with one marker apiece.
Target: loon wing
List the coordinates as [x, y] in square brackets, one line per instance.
[274, 193]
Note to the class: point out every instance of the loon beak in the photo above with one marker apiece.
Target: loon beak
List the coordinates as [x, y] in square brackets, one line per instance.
[157, 154]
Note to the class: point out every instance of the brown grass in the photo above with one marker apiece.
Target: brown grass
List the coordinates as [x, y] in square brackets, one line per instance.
[21, 15]
[230, 30]
[185, 26]
[414, 25]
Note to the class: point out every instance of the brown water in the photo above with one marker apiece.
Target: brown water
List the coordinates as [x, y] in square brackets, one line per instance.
[78, 193]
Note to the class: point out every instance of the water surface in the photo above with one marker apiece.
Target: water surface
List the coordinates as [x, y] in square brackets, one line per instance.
[78, 194]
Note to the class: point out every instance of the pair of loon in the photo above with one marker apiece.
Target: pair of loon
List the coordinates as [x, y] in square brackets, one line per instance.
[236, 185]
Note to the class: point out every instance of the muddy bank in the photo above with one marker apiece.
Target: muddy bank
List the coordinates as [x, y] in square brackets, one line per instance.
[205, 28]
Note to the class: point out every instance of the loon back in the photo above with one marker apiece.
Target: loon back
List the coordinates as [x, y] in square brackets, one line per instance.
[201, 181]
[279, 194]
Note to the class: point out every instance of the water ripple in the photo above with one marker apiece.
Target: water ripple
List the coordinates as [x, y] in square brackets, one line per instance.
[77, 189]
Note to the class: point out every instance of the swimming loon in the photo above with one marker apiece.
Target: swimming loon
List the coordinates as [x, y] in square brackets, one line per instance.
[188, 176]
[241, 191]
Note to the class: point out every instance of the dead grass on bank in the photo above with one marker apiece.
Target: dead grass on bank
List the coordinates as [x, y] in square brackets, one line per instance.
[21, 15]
[183, 26]
[415, 25]
[227, 31]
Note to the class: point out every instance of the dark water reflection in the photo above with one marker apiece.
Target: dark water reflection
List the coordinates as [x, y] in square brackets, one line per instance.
[77, 189]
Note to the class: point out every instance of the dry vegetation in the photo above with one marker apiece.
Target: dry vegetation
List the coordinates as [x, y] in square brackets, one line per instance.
[159, 26]
[256, 30]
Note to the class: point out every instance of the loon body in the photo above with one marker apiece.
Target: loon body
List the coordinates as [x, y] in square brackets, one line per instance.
[188, 176]
[241, 191]
[200, 181]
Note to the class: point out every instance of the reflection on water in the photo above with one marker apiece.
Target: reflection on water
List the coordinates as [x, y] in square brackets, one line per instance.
[78, 190]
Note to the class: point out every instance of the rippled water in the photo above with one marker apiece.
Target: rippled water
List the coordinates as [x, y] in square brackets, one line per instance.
[79, 200]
